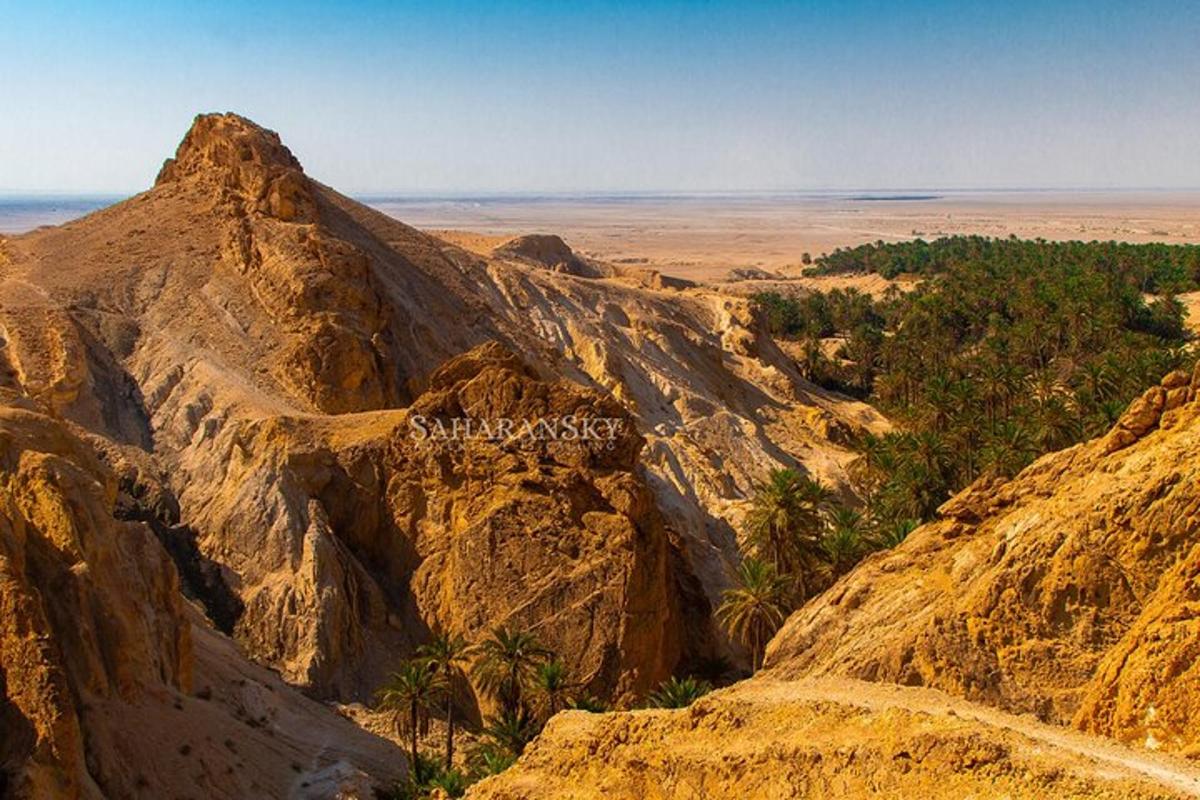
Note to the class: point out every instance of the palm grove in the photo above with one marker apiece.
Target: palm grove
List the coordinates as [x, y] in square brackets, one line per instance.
[1004, 350]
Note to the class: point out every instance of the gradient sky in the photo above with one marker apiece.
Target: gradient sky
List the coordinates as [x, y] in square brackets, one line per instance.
[575, 96]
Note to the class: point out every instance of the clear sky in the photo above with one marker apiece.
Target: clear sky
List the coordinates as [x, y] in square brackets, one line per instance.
[573, 96]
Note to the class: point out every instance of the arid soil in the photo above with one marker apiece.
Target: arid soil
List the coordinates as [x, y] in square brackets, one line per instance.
[704, 237]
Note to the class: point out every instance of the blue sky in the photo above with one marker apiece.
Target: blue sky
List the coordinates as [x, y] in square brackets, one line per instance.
[576, 96]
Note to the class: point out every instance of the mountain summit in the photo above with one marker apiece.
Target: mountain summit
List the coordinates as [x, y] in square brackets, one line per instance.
[247, 159]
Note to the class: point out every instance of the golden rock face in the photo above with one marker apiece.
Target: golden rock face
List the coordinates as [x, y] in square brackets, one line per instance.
[1063, 592]
[111, 685]
[89, 606]
[362, 532]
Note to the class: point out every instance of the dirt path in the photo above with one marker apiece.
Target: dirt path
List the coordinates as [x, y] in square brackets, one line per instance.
[1111, 759]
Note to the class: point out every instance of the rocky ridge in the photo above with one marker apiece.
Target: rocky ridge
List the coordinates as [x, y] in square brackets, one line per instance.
[1066, 592]
[111, 685]
[826, 739]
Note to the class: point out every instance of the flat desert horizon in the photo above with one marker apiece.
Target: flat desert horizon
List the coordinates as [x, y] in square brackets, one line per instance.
[703, 236]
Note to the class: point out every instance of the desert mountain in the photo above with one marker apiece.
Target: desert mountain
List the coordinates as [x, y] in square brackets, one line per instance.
[248, 349]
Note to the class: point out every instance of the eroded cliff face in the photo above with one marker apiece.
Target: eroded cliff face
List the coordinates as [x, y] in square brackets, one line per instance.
[1146, 689]
[825, 739]
[106, 685]
[89, 610]
[1066, 592]
[352, 537]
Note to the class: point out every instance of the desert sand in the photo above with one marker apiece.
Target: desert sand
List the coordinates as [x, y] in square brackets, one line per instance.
[703, 237]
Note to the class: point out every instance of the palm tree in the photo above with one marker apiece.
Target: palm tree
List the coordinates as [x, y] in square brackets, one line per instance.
[874, 465]
[1010, 449]
[1056, 424]
[890, 534]
[1098, 380]
[445, 653]
[785, 522]
[812, 359]
[550, 681]
[931, 452]
[994, 381]
[411, 689]
[506, 663]
[490, 759]
[678, 693]
[755, 608]
[452, 783]
[511, 731]
[843, 541]
[589, 703]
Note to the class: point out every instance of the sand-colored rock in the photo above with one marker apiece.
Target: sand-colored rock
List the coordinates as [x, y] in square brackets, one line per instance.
[826, 739]
[1066, 592]
[88, 609]
[108, 688]
[551, 252]
[1146, 690]
[351, 537]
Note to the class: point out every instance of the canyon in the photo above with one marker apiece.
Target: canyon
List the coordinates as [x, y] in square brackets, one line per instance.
[222, 526]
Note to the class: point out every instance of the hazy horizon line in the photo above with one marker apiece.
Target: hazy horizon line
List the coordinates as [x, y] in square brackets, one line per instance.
[421, 194]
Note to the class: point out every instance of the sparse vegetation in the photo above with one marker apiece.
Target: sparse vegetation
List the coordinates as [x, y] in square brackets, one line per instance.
[785, 524]
[411, 693]
[550, 683]
[678, 693]
[757, 605]
[510, 665]
[506, 665]
[446, 654]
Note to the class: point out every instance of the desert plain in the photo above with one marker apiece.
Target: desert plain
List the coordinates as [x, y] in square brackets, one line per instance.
[702, 237]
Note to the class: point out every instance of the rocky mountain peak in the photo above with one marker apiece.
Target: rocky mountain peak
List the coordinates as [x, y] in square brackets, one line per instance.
[251, 161]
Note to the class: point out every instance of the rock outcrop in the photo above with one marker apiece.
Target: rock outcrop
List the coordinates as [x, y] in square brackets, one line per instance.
[108, 687]
[826, 739]
[1146, 689]
[549, 251]
[1068, 592]
[352, 537]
